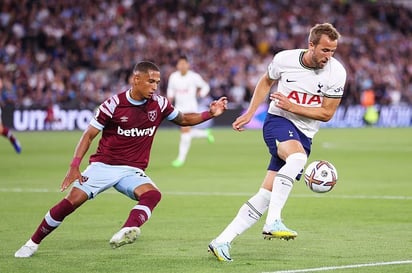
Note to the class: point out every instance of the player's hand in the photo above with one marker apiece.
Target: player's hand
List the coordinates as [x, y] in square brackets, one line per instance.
[281, 101]
[217, 107]
[241, 121]
[72, 175]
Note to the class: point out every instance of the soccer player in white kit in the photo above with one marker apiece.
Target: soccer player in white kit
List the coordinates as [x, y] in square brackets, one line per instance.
[310, 87]
[185, 87]
[128, 122]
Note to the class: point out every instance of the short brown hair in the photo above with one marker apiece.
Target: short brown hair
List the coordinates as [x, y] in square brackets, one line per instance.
[325, 28]
[145, 66]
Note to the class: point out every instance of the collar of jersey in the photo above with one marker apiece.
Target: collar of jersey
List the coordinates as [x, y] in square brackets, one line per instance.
[301, 61]
[132, 101]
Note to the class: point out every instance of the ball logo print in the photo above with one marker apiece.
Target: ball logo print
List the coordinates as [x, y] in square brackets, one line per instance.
[321, 176]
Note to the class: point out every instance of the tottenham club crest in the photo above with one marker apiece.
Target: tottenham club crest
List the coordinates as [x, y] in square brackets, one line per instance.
[152, 115]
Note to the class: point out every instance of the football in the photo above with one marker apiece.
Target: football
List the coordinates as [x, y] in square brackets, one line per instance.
[321, 176]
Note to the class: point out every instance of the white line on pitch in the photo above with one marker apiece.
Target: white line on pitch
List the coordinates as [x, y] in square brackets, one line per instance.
[342, 267]
[194, 193]
[314, 195]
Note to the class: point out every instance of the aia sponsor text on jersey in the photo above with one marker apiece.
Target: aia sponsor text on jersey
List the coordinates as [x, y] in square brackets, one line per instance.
[304, 98]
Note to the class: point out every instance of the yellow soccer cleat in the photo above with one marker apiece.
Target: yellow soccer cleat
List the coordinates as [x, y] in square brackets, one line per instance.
[279, 231]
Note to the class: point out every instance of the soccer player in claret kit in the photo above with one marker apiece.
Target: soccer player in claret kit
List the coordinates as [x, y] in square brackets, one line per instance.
[128, 122]
[6, 132]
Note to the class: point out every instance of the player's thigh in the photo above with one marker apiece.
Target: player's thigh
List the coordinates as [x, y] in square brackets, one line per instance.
[289, 147]
[98, 177]
[281, 137]
[135, 185]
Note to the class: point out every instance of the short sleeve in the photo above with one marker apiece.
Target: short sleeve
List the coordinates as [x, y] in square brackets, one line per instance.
[338, 80]
[273, 68]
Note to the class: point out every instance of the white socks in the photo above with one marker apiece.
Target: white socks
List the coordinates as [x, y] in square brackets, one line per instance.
[198, 133]
[248, 215]
[283, 184]
[252, 210]
[186, 140]
[184, 146]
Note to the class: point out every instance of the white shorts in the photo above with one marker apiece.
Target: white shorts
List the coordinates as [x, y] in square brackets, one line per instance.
[101, 177]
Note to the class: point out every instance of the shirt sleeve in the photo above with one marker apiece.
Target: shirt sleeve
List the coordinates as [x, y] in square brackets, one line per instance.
[173, 115]
[338, 80]
[104, 112]
[96, 124]
[274, 67]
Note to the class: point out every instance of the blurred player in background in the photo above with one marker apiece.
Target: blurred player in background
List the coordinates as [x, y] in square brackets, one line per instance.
[185, 88]
[310, 87]
[128, 122]
[6, 132]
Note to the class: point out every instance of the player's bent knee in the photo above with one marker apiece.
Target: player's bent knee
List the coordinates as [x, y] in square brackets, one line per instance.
[77, 197]
[297, 158]
[150, 198]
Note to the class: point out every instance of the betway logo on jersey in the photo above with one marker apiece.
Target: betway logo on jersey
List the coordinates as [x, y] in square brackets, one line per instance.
[136, 132]
[304, 98]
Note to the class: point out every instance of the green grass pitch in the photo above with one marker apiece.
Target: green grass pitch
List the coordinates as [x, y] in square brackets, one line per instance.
[365, 219]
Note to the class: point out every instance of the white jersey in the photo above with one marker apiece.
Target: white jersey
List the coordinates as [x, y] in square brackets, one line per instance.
[183, 89]
[305, 86]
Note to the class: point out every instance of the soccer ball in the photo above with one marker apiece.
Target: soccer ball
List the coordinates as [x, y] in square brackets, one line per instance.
[321, 176]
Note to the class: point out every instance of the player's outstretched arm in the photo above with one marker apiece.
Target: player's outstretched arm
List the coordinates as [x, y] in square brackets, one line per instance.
[259, 95]
[216, 108]
[82, 147]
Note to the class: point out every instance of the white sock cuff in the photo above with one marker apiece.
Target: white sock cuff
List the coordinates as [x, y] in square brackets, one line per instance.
[50, 221]
[145, 209]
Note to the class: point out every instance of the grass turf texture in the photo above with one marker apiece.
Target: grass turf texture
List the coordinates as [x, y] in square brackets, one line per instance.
[366, 218]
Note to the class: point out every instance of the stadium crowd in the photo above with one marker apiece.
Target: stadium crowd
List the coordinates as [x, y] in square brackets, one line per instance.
[76, 53]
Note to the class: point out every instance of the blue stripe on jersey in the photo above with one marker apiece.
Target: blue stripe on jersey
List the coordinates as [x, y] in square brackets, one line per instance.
[173, 115]
[96, 124]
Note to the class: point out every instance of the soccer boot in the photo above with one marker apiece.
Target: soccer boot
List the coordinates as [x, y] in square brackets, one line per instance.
[177, 163]
[278, 230]
[27, 250]
[210, 136]
[220, 250]
[126, 235]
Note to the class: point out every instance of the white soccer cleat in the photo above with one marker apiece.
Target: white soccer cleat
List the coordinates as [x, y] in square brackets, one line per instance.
[220, 250]
[27, 250]
[126, 235]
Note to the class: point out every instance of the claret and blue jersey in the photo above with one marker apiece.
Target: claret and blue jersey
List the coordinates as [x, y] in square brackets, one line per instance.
[128, 128]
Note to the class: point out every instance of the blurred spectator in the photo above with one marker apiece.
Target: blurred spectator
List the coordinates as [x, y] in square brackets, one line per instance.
[367, 98]
[50, 118]
[74, 52]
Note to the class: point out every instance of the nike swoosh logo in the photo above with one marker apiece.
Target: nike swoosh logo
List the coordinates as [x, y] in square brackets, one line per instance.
[287, 80]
